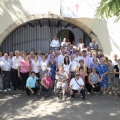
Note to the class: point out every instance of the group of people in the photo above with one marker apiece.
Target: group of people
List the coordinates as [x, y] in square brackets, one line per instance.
[74, 68]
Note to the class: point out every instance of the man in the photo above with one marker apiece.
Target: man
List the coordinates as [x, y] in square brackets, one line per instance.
[39, 55]
[46, 83]
[85, 58]
[79, 45]
[61, 57]
[93, 45]
[115, 60]
[50, 53]
[6, 65]
[77, 57]
[15, 63]
[77, 86]
[74, 65]
[32, 84]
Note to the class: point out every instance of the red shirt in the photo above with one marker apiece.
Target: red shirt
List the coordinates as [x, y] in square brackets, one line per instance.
[47, 81]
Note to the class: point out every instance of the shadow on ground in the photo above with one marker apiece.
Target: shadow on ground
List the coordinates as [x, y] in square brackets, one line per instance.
[22, 107]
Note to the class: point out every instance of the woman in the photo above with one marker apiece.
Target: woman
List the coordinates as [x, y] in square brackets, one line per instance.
[52, 66]
[102, 70]
[23, 70]
[93, 80]
[55, 43]
[43, 66]
[67, 65]
[35, 66]
[95, 63]
[85, 68]
[62, 82]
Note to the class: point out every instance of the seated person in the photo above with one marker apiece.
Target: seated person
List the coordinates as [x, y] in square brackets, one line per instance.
[62, 80]
[32, 84]
[46, 83]
[77, 86]
[93, 81]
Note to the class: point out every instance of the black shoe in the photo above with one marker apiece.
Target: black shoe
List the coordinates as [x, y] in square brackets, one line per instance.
[83, 98]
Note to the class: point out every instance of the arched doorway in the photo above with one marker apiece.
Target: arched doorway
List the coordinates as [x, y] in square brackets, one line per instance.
[66, 34]
[38, 34]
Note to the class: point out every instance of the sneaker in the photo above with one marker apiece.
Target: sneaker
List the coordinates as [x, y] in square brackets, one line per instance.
[43, 98]
[88, 93]
[5, 90]
[9, 89]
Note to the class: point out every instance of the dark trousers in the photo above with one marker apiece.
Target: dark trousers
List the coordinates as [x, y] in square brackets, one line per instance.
[48, 91]
[15, 79]
[24, 77]
[37, 75]
[72, 75]
[6, 79]
[34, 89]
[96, 89]
[76, 91]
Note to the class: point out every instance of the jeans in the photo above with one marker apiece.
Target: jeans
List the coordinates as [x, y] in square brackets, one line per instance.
[49, 90]
[6, 79]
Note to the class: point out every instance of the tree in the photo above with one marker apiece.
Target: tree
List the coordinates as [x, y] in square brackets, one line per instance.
[109, 8]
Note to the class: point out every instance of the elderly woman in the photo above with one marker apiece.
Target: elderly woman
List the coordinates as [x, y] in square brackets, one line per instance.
[62, 82]
[102, 70]
[94, 80]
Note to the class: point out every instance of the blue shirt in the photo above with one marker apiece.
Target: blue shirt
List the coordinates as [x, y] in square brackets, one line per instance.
[31, 82]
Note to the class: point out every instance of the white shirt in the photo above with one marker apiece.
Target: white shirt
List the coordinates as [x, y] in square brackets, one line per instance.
[74, 84]
[6, 65]
[74, 64]
[78, 58]
[43, 65]
[15, 62]
[62, 43]
[35, 66]
[55, 43]
[67, 68]
[60, 60]
[39, 58]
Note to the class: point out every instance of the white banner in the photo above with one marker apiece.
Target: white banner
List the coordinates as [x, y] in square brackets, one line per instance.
[78, 8]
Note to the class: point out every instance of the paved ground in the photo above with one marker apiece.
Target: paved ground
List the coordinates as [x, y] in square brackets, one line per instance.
[18, 106]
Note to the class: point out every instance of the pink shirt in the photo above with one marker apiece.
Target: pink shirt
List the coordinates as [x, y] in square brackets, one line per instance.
[24, 66]
[47, 81]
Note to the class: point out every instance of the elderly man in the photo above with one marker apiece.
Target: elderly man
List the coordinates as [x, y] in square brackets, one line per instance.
[32, 84]
[77, 86]
[15, 63]
[6, 65]
[93, 45]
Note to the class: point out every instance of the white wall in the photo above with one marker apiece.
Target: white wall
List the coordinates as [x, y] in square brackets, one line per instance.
[107, 31]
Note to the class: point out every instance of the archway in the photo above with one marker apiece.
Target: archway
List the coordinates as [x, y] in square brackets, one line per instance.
[38, 34]
[21, 23]
[66, 34]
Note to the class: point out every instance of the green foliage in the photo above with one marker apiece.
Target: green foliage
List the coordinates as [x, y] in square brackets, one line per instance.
[109, 8]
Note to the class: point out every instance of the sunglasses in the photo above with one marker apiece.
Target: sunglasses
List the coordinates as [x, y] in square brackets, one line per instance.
[77, 75]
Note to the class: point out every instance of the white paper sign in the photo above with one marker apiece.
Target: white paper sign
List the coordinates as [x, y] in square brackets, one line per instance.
[78, 8]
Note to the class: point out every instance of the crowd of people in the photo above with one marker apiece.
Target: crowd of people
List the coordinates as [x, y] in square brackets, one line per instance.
[74, 68]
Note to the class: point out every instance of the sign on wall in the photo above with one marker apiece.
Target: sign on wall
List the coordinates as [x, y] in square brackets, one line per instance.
[78, 8]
